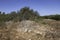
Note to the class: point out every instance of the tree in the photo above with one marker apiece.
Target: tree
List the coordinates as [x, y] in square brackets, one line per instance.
[0, 12]
[26, 13]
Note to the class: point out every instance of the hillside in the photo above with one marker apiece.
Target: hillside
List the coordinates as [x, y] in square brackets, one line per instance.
[31, 30]
[27, 24]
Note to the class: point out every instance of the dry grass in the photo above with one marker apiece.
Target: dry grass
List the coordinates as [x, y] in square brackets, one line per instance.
[31, 30]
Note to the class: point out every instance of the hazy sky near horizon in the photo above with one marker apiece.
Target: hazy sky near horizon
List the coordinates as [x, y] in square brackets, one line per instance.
[44, 7]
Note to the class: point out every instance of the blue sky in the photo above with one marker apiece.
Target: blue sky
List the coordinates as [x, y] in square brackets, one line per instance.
[44, 7]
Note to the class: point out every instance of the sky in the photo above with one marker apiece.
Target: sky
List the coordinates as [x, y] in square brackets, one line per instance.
[44, 7]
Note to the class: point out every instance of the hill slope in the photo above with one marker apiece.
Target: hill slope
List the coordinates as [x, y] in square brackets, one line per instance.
[31, 30]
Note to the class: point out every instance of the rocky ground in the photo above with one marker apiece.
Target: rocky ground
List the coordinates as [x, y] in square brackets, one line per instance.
[31, 30]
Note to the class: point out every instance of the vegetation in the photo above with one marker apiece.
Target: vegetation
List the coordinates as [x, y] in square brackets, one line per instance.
[43, 30]
[25, 14]
[54, 17]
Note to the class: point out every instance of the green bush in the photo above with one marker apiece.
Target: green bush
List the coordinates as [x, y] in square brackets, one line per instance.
[54, 17]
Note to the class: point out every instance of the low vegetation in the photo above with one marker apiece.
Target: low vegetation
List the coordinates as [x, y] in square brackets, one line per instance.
[54, 17]
[27, 24]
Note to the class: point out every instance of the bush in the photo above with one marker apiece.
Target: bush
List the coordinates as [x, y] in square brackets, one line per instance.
[2, 25]
[54, 17]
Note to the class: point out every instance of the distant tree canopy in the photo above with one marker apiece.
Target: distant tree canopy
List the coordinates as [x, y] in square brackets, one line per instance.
[54, 17]
[24, 14]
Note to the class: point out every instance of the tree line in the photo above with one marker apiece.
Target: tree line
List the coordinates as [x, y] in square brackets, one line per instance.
[54, 17]
[25, 14]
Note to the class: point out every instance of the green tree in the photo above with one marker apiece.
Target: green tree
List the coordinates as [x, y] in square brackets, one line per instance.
[26, 13]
